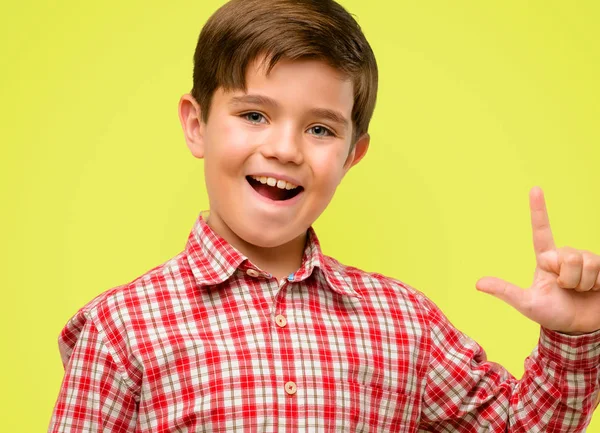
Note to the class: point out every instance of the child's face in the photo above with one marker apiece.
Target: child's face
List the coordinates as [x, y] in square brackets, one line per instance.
[293, 125]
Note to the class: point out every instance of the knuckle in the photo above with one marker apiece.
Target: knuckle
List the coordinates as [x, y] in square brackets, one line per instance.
[574, 259]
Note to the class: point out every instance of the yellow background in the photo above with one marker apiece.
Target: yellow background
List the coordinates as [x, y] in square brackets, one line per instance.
[478, 102]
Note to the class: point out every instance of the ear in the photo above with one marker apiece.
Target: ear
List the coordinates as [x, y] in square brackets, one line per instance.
[190, 117]
[358, 152]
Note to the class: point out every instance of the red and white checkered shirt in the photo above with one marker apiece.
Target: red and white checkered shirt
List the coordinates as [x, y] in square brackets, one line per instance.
[209, 342]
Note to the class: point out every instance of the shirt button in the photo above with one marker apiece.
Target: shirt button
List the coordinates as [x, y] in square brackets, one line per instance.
[291, 388]
[252, 272]
[280, 320]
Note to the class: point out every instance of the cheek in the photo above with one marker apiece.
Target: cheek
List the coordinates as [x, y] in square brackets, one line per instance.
[227, 146]
[328, 168]
[233, 136]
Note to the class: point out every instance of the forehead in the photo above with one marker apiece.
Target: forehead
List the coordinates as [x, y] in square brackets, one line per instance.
[299, 84]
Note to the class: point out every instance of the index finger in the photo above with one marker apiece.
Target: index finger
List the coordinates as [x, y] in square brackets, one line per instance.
[540, 223]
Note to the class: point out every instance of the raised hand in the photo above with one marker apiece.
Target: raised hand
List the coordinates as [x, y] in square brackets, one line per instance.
[565, 294]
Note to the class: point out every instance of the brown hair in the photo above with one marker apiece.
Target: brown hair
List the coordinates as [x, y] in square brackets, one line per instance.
[242, 30]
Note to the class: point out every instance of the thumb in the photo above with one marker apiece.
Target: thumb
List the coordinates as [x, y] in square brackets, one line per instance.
[508, 292]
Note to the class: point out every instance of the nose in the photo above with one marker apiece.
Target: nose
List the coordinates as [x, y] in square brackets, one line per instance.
[285, 145]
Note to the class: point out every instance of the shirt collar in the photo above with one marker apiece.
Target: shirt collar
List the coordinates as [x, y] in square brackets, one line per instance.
[213, 260]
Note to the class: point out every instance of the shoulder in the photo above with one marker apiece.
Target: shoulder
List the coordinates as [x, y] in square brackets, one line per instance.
[120, 314]
[166, 280]
[377, 288]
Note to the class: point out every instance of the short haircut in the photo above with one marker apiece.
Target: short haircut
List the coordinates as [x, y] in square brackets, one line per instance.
[241, 31]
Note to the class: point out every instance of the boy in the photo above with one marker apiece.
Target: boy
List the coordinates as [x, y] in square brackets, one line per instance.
[252, 328]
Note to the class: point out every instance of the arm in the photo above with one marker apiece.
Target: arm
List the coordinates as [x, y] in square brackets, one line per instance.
[466, 393]
[94, 396]
[557, 393]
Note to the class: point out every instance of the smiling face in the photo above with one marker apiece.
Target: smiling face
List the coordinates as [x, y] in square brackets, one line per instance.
[275, 154]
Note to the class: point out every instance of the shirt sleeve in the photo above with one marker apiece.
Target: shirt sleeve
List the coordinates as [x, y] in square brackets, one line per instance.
[94, 396]
[465, 392]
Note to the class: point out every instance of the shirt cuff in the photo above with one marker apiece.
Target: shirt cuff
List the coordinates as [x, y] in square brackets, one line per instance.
[571, 352]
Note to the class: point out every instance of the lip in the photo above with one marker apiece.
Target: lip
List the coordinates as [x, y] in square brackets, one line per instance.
[280, 203]
[289, 179]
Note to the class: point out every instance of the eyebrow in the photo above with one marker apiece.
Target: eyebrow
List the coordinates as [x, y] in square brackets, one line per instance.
[324, 113]
[254, 99]
[331, 115]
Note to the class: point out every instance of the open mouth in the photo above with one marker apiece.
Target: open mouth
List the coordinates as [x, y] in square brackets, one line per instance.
[279, 192]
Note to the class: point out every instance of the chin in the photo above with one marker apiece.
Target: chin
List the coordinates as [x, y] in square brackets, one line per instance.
[264, 239]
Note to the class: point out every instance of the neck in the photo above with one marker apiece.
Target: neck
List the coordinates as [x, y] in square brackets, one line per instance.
[279, 261]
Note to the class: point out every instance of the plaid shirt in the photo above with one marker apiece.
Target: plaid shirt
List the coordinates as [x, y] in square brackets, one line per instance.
[209, 342]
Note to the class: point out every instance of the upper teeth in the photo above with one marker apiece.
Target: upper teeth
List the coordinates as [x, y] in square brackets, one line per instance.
[271, 181]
